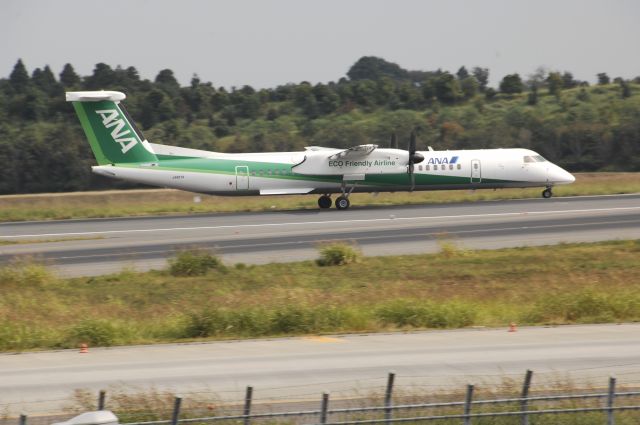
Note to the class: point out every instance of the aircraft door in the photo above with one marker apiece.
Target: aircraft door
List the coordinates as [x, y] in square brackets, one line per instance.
[476, 171]
[242, 177]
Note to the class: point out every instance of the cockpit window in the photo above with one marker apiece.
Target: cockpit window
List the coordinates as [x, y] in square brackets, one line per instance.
[539, 158]
[529, 159]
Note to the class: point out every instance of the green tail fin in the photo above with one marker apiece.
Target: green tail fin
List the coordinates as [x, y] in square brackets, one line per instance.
[112, 134]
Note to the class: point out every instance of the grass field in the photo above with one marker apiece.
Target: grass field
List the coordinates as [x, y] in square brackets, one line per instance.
[165, 201]
[578, 283]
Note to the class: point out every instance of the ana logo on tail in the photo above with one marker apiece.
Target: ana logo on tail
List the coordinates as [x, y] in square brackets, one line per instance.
[111, 118]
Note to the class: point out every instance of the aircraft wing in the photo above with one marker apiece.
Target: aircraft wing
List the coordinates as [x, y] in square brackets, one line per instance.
[359, 151]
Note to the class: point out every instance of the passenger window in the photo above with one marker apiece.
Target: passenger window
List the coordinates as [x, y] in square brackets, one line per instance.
[475, 166]
[419, 167]
[253, 173]
[427, 167]
[459, 166]
[451, 166]
[442, 167]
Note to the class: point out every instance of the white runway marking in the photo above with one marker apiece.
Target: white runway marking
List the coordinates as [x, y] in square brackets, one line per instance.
[370, 220]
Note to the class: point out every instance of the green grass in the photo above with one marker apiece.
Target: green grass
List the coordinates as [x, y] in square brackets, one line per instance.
[165, 201]
[578, 283]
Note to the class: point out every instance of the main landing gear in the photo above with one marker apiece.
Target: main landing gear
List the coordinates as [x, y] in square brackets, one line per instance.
[342, 202]
[547, 193]
[324, 201]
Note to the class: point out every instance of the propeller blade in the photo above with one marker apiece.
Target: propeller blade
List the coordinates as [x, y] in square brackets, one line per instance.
[412, 144]
[414, 158]
[413, 180]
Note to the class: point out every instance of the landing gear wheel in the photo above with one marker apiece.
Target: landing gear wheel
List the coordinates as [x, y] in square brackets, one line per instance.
[324, 202]
[342, 203]
[547, 193]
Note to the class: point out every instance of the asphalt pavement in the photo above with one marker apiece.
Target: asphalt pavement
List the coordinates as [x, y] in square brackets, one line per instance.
[290, 370]
[99, 246]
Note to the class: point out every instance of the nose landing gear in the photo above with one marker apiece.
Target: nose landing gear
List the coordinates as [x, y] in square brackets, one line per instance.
[547, 193]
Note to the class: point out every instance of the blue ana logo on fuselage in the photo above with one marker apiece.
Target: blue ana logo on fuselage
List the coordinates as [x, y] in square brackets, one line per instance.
[443, 160]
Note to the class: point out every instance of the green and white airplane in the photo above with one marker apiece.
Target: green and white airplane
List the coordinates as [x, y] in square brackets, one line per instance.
[123, 153]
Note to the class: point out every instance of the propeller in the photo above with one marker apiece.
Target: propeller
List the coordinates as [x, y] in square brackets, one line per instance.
[414, 158]
[394, 141]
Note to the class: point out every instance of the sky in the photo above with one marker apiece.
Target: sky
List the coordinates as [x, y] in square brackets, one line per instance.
[265, 43]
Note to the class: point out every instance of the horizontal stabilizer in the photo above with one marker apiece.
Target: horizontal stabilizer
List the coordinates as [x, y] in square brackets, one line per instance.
[94, 96]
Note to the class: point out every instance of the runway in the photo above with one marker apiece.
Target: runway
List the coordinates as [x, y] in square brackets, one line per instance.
[101, 246]
[297, 369]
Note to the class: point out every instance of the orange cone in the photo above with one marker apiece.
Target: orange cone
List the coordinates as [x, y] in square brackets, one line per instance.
[513, 327]
[84, 348]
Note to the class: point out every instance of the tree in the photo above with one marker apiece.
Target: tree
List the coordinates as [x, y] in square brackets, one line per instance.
[373, 68]
[583, 95]
[68, 77]
[532, 99]
[447, 88]
[538, 78]
[469, 87]
[567, 81]
[46, 81]
[625, 89]
[167, 82]
[555, 83]
[219, 100]
[156, 107]
[482, 76]
[603, 78]
[462, 73]
[103, 78]
[511, 84]
[327, 99]
[19, 77]
[364, 93]
[248, 106]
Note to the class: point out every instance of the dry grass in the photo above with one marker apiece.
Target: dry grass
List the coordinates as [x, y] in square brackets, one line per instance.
[139, 404]
[166, 201]
[578, 283]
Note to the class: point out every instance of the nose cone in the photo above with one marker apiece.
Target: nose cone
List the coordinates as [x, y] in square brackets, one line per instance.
[559, 176]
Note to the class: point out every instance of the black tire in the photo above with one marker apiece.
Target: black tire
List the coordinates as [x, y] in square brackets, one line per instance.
[342, 203]
[324, 202]
[547, 193]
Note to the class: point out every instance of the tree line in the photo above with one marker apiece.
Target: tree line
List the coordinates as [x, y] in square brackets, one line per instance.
[582, 127]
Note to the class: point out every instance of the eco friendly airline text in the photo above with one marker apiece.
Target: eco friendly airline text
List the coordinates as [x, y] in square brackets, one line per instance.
[122, 152]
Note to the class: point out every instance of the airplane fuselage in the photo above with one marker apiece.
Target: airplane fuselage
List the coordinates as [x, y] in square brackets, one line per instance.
[384, 170]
